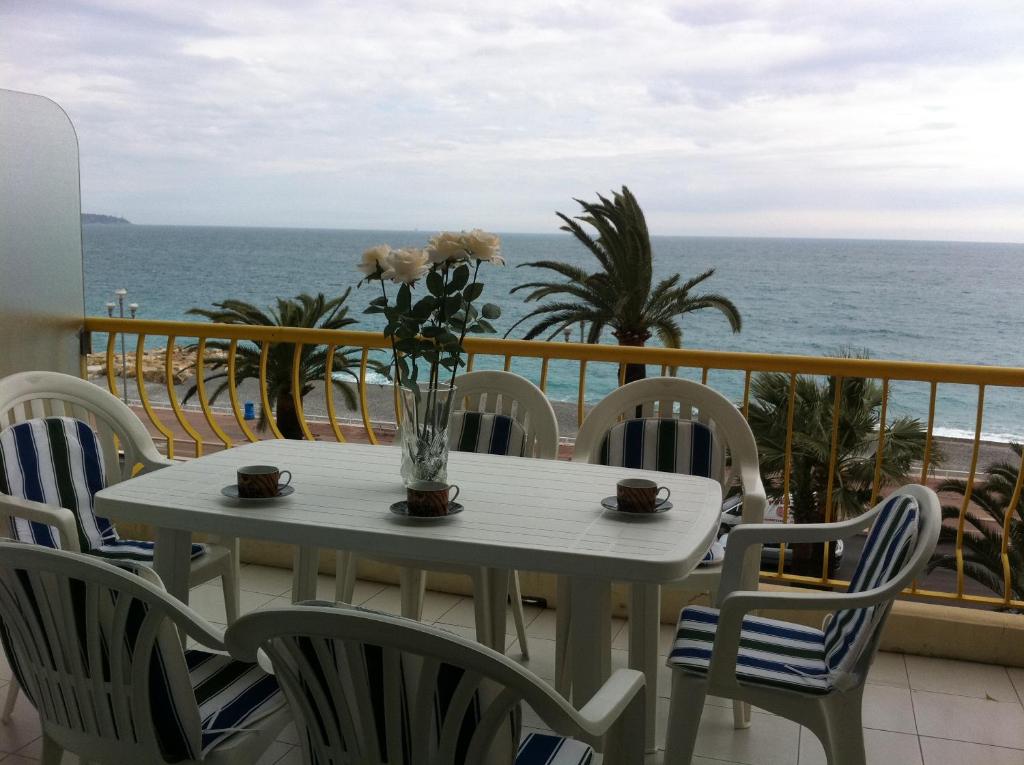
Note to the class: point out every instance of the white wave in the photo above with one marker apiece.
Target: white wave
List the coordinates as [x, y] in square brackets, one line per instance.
[1002, 438]
[372, 378]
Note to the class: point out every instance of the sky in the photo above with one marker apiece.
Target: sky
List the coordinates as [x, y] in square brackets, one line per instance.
[893, 119]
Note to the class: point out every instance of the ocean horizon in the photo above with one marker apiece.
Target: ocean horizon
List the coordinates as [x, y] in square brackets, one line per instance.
[918, 300]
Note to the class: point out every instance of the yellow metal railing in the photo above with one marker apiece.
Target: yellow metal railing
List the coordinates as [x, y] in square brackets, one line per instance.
[505, 352]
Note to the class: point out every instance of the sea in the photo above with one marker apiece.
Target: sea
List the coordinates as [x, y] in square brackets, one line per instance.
[956, 302]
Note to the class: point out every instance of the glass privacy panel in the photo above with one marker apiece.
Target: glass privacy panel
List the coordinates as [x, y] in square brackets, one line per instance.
[41, 287]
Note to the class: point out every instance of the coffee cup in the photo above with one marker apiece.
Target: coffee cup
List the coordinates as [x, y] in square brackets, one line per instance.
[640, 495]
[430, 498]
[261, 481]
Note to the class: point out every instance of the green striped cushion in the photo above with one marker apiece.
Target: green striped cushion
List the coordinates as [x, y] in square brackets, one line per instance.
[232, 695]
[665, 444]
[57, 461]
[889, 544]
[774, 653]
[486, 433]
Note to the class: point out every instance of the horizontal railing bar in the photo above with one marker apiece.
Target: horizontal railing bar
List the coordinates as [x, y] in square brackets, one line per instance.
[921, 371]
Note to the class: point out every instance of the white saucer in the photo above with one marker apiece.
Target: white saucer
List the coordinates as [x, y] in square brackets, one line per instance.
[231, 490]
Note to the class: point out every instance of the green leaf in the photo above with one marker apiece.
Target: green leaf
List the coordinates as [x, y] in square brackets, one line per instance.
[424, 307]
[490, 311]
[486, 326]
[473, 291]
[458, 279]
[407, 345]
[435, 283]
[404, 300]
[379, 301]
[452, 304]
[373, 309]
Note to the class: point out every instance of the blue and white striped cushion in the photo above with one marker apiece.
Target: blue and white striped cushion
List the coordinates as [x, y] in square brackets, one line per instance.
[775, 653]
[57, 461]
[486, 433]
[889, 544]
[665, 444]
[545, 749]
[232, 695]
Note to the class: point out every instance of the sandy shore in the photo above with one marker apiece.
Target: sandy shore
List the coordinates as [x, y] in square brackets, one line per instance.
[957, 451]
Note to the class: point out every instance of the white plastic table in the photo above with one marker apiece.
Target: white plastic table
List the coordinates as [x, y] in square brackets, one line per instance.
[529, 514]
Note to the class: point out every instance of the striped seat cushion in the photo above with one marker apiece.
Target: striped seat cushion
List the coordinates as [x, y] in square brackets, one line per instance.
[57, 461]
[486, 433]
[232, 695]
[665, 444]
[774, 653]
[888, 546]
[544, 749]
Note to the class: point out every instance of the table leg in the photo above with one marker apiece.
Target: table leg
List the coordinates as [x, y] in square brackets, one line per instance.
[412, 584]
[172, 561]
[644, 621]
[589, 636]
[490, 620]
[304, 571]
[562, 621]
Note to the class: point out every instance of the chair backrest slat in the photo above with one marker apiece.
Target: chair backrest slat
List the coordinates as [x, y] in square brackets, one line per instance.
[663, 398]
[31, 395]
[96, 655]
[508, 394]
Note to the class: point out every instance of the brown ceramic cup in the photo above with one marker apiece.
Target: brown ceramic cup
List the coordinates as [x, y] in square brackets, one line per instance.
[640, 495]
[261, 481]
[430, 498]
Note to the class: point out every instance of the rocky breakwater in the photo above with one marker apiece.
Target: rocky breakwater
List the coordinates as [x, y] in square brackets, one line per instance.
[154, 364]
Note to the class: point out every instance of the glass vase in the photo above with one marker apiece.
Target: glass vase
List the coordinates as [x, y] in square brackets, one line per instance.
[423, 432]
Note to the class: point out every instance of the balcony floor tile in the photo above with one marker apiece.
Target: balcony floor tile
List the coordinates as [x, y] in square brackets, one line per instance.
[982, 681]
[962, 718]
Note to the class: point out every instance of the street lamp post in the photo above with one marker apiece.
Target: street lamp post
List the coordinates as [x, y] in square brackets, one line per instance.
[133, 308]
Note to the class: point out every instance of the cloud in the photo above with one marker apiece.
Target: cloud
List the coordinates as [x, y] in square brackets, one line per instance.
[835, 118]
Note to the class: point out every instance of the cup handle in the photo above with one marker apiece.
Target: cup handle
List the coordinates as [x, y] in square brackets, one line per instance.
[660, 502]
[451, 498]
[281, 483]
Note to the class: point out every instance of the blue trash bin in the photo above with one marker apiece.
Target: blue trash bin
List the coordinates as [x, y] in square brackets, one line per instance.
[250, 410]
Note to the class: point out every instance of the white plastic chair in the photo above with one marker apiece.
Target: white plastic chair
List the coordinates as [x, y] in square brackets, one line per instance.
[813, 677]
[376, 689]
[98, 653]
[733, 455]
[29, 395]
[501, 393]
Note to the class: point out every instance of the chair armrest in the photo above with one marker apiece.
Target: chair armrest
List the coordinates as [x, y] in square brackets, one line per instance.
[193, 625]
[60, 518]
[745, 535]
[611, 699]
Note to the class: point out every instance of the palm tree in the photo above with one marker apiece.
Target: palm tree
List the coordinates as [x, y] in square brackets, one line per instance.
[860, 404]
[983, 534]
[622, 295]
[301, 311]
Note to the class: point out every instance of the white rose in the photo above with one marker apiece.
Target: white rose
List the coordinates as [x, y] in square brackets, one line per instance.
[483, 246]
[406, 265]
[374, 258]
[446, 246]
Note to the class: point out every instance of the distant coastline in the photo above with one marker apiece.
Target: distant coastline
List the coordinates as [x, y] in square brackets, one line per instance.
[95, 218]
